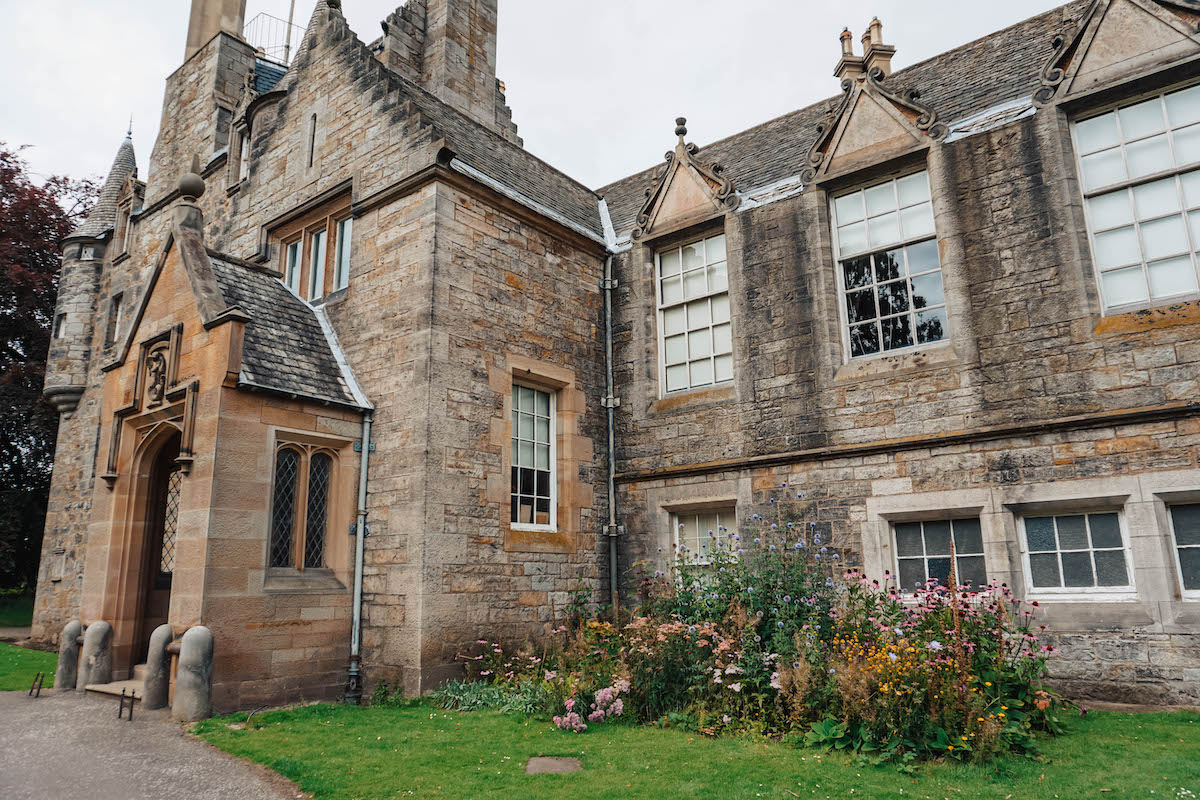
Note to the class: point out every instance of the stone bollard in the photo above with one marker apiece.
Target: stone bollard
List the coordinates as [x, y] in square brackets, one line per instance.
[68, 656]
[95, 664]
[158, 669]
[193, 680]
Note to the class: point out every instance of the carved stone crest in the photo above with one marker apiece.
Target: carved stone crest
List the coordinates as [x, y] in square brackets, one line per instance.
[156, 376]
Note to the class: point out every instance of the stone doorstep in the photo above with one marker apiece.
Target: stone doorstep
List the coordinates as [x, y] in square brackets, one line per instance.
[542, 765]
[137, 687]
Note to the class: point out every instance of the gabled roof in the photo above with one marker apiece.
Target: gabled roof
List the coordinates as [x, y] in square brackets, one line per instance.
[285, 348]
[103, 216]
[963, 82]
[472, 143]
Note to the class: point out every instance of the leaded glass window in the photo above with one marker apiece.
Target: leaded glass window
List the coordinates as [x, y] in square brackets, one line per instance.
[166, 560]
[889, 269]
[1185, 525]
[695, 333]
[923, 553]
[320, 468]
[1077, 552]
[533, 479]
[1141, 187]
[283, 507]
[300, 504]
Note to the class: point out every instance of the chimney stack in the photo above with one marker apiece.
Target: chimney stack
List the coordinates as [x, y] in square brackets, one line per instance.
[875, 52]
[851, 66]
[210, 17]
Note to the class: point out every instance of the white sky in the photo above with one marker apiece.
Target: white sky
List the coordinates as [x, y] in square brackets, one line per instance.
[594, 86]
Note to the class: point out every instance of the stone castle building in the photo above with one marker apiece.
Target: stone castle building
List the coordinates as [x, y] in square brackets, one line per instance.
[350, 337]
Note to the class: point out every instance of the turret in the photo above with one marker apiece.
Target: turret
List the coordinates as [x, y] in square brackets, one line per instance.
[83, 254]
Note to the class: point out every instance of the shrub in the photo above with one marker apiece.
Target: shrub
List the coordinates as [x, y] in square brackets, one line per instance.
[774, 636]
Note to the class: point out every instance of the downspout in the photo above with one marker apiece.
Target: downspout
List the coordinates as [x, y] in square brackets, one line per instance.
[354, 689]
[611, 401]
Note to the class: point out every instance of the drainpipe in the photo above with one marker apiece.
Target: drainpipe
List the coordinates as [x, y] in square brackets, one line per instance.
[611, 401]
[354, 690]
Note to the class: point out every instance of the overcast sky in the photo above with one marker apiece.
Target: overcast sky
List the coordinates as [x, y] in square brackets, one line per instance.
[594, 86]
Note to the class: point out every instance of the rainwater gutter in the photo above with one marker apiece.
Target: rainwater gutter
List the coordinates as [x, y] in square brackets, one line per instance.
[354, 690]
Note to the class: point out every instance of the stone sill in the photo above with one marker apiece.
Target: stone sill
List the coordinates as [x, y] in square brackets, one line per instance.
[694, 399]
[902, 364]
[313, 581]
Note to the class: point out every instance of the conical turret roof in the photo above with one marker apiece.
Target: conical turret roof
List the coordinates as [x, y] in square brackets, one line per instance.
[103, 215]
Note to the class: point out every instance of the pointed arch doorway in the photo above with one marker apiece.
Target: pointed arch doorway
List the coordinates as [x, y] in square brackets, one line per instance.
[159, 549]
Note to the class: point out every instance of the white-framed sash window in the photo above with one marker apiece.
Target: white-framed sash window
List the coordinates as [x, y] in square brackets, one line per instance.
[695, 334]
[889, 270]
[702, 533]
[1077, 556]
[1139, 169]
[533, 483]
[923, 553]
[1185, 538]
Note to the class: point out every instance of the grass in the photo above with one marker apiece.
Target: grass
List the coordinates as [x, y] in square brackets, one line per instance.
[18, 667]
[16, 612]
[346, 753]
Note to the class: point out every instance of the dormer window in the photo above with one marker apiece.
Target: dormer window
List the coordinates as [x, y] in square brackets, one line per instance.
[889, 269]
[1138, 167]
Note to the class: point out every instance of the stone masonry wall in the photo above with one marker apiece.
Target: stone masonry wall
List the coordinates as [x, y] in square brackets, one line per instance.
[1028, 347]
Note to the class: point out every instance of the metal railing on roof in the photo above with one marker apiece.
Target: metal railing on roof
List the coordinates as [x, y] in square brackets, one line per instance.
[272, 37]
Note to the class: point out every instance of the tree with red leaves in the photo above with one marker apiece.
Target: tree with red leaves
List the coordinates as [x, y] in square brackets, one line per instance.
[34, 218]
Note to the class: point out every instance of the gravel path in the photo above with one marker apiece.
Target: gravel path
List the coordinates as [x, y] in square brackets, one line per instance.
[68, 747]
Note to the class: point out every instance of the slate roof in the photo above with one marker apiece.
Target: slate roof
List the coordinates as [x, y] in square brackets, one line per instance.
[285, 348]
[479, 147]
[103, 216]
[266, 74]
[508, 163]
[1000, 67]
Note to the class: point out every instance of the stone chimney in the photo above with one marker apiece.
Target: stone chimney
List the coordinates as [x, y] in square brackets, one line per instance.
[449, 48]
[210, 17]
[875, 52]
[850, 66]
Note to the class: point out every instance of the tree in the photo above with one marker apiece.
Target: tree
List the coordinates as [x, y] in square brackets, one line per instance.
[33, 221]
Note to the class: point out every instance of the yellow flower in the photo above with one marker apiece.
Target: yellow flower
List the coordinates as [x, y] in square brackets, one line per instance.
[963, 738]
[950, 747]
[1004, 708]
[987, 683]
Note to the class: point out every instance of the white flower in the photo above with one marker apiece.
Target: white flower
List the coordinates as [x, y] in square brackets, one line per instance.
[737, 687]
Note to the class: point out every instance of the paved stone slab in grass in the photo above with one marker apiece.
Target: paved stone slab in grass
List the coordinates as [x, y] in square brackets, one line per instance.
[541, 765]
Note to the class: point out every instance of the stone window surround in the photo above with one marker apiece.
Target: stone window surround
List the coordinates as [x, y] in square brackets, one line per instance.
[552, 525]
[571, 451]
[328, 218]
[339, 515]
[1143, 502]
[115, 317]
[664, 502]
[1079, 113]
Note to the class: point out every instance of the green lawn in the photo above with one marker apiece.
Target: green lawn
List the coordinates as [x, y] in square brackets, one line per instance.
[345, 753]
[16, 612]
[18, 667]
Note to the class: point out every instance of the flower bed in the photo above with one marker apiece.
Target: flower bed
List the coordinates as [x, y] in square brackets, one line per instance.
[773, 637]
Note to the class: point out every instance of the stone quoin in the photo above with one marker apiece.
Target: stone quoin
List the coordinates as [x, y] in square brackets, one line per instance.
[349, 340]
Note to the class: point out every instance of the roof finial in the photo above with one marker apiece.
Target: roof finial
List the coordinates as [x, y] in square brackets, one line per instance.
[681, 127]
[129, 133]
[191, 184]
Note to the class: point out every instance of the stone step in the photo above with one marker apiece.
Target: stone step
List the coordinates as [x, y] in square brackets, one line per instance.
[139, 672]
[137, 687]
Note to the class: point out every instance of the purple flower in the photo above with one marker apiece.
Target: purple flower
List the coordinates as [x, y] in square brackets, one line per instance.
[935, 645]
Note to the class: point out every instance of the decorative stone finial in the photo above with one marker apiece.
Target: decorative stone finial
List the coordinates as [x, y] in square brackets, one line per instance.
[191, 185]
[847, 42]
[129, 133]
[681, 127]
